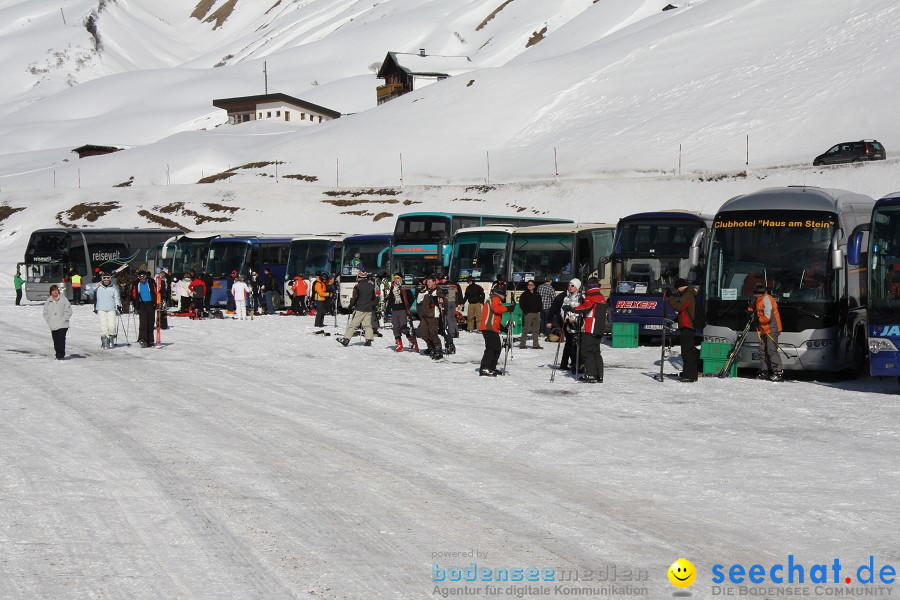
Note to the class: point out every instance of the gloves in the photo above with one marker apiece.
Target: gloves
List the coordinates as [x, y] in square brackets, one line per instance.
[566, 309]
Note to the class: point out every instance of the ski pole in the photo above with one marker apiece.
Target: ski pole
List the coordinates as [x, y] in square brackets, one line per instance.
[577, 340]
[778, 346]
[509, 324]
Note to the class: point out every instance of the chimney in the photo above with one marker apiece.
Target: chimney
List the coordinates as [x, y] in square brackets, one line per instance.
[421, 51]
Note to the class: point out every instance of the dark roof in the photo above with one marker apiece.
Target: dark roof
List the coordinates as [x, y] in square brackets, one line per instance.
[225, 103]
[93, 148]
[429, 65]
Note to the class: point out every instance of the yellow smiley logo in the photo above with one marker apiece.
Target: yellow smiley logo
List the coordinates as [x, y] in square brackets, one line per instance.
[682, 573]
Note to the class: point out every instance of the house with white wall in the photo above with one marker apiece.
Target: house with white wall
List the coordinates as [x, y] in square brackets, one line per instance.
[278, 107]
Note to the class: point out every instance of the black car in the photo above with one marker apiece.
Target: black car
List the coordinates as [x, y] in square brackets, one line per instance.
[850, 152]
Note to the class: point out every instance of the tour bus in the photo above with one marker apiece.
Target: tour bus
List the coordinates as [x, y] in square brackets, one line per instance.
[792, 240]
[481, 254]
[54, 255]
[562, 252]
[370, 253]
[422, 240]
[880, 259]
[652, 250]
[310, 255]
[188, 252]
[243, 253]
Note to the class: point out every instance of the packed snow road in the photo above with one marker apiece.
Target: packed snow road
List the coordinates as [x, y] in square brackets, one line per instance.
[256, 460]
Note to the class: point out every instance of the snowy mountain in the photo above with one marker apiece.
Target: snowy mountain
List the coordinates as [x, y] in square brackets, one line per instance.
[604, 96]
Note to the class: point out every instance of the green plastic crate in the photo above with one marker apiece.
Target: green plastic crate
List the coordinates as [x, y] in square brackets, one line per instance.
[516, 317]
[625, 329]
[715, 366]
[715, 351]
[625, 341]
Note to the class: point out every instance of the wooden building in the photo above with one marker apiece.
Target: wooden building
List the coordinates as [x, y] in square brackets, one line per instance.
[279, 107]
[404, 72]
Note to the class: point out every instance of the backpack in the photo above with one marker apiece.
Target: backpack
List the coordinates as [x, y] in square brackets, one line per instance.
[699, 316]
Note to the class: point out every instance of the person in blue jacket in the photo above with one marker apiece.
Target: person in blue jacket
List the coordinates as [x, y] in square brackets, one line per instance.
[108, 306]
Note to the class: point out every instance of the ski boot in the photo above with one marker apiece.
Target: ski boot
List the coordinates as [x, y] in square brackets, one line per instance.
[343, 341]
[486, 373]
[763, 375]
[777, 377]
[451, 349]
[104, 343]
[399, 346]
[112, 342]
[436, 354]
[368, 343]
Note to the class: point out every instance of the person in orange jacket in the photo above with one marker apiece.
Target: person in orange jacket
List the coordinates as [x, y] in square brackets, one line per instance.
[299, 289]
[768, 325]
[491, 317]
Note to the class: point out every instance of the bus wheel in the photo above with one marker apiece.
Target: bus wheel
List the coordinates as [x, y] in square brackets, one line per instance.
[859, 361]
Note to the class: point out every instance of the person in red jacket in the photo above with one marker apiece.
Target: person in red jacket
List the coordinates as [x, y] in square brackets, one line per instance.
[198, 292]
[594, 311]
[686, 307]
[491, 317]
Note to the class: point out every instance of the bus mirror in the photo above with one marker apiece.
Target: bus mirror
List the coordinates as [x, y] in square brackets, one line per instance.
[695, 247]
[601, 268]
[854, 249]
[837, 258]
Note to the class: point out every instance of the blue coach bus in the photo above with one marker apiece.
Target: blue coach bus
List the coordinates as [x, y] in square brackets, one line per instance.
[422, 240]
[650, 252]
[243, 254]
[881, 262]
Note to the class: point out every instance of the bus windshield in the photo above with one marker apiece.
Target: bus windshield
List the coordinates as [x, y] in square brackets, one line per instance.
[884, 258]
[364, 256]
[190, 255]
[308, 257]
[414, 267]
[651, 255]
[47, 247]
[481, 256]
[225, 257]
[422, 229]
[544, 254]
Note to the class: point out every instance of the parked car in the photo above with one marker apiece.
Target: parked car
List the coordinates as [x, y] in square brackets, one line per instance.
[850, 152]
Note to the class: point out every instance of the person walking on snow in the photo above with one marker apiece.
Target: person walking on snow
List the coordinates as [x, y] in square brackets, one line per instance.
[240, 293]
[398, 303]
[57, 312]
[475, 298]
[428, 302]
[362, 303]
[491, 318]
[595, 313]
[530, 304]
[143, 295]
[767, 320]
[686, 307]
[107, 306]
[18, 282]
[569, 327]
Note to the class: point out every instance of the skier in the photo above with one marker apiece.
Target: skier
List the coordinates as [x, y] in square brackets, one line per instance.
[768, 325]
[107, 305]
[143, 295]
[162, 286]
[321, 296]
[398, 303]
[240, 293]
[362, 303]
[197, 288]
[686, 307]
[428, 301]
[298, 295]
[229, 283]
[595, 313]
[569, 330]
[491, 318]
[57, 312]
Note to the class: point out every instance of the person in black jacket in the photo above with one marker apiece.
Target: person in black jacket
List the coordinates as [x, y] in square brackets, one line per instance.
[143, 295]
[362, 303]
[475, 297]
[268, 288]
[398, 303]
[530, 304]
[685, 305]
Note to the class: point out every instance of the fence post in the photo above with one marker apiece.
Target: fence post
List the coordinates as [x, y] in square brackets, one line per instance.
[488, 180]
[555, 164]
[401, 169]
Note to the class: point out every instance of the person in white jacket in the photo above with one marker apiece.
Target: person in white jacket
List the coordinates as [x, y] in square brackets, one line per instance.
[184, 293]
[240, 291]
[57, 312]
[107, 305]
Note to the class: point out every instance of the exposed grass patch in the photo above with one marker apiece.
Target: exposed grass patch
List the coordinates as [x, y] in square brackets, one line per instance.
[217, 177]
[221, 15]
[179, 209]
[468, 200]
[536, 37]
[722, 176]
[488, 18]
[7, 211]
[382, 215]
[88, 211]
[484, 189]
[358, 213]
[257, 165]
[202, 9]
[220, 207]
[368, 192]
[300, 177]
[346, 202]
[162, 221]
[126, 183]
[409, 202]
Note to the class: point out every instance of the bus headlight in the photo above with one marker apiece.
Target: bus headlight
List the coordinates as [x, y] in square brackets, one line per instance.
[819, 343]
[877, 345]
